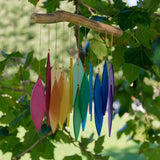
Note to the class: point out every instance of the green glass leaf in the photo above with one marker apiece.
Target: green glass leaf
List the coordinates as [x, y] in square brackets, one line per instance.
[84, 97]
[76, 116]
[131, 72]
[78, 72]
[138, 56]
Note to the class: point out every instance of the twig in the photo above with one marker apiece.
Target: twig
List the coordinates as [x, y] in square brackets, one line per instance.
[63, 16]
[109, 2]
[13, 89]
[90, 9]
[30, 148]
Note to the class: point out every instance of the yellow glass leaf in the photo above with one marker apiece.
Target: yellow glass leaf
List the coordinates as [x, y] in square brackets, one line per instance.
[70, 89]
[55, 73]
[54, 107]
[65, 98]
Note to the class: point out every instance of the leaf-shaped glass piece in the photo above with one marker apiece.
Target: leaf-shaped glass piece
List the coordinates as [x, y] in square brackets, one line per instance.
[84, 123]
[111, 97]
[76, 116]
[55, 73]
[98, 103]
[110, 110]
[111, 78]
[84, 96]
[48, 87]
[54, 107]
[78, 72]
[64, 98]
[70, 89]
[38, 104]
[105, 87]
[90, 89]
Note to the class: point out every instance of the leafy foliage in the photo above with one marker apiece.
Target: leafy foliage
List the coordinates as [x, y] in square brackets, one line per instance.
[137, 70]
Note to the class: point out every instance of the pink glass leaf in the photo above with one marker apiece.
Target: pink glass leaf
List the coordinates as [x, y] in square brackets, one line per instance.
[38, 104]
[48, 87]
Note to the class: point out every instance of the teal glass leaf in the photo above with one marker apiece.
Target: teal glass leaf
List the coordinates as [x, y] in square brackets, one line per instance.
[76, 116]
[84, 96]
[78, 72]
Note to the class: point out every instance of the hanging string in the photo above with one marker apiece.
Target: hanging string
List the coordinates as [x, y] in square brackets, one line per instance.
[106, 47]
[111, 45]
[85, 40]
[48, 38]
[78, 41]
[39, 47]
[63, 45]
[98, 50]
[56, 44]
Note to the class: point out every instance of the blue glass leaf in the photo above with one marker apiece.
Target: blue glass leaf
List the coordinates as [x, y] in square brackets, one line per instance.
[84, 123]
[78, 72]
[76, 116]
[90, 89]
[111, 98]
[105, 87]
[84, 97]
[98, 103]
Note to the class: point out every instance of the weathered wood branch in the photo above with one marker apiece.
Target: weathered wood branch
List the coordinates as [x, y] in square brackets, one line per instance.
[63, 16]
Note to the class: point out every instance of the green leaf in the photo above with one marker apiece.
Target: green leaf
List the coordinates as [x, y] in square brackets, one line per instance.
[8, 118]
[145, 35]
[4, 131]
[98, 147]
[118, 57]
[128, 18]
[138, 56]
[98, 46]
[151, 5]
[152, 153]
[28, 59]
[145, 146]
[119, 4]
[131, 72]
[156, 51]
[86, 141]
[51, 5]
[34, 2]
[73, 157]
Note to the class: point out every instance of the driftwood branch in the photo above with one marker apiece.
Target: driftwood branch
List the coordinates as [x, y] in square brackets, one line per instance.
[63, 16]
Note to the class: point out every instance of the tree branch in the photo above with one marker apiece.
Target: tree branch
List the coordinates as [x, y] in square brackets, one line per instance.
[63, 16]
[30, 148]
[90, 9]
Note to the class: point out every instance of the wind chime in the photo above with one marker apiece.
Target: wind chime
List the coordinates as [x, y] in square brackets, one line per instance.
[61, 98]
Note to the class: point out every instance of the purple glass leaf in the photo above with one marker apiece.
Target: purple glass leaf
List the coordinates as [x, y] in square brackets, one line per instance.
[110, 110]
[111, 98]
[38, 104]
[111, 78]
[90, 89]
[98, 102]
[48, 87]
[105, 87]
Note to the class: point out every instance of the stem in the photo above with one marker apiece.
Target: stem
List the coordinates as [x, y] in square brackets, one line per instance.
[30, 148]
[142, 100]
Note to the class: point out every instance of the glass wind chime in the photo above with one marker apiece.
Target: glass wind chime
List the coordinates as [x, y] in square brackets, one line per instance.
[61, 98]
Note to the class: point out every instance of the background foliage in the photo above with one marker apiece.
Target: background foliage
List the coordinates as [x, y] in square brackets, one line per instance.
[136, 61]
